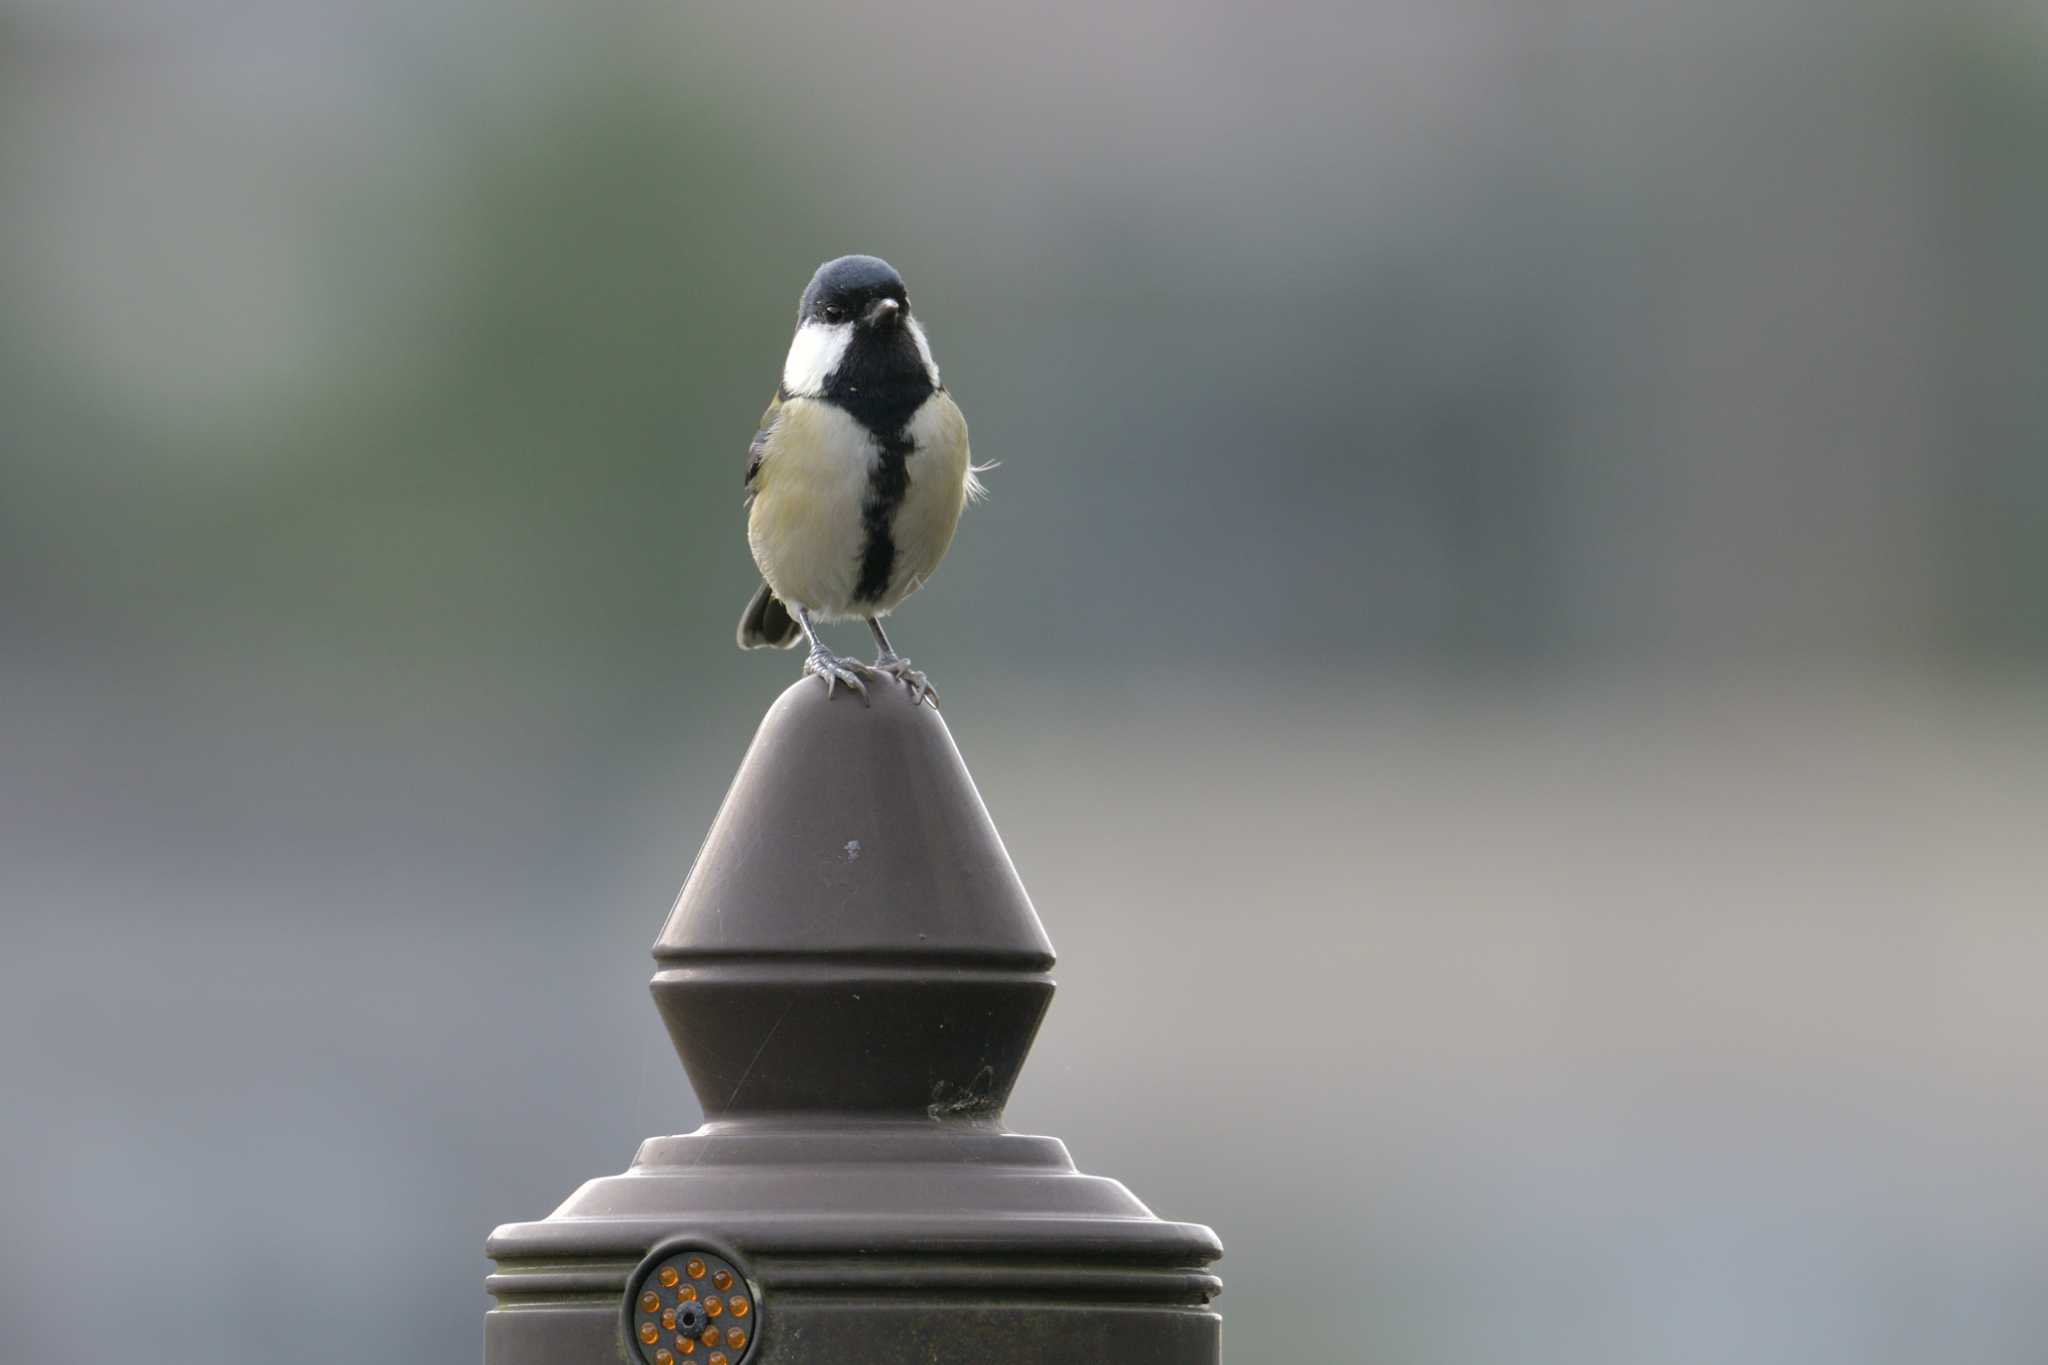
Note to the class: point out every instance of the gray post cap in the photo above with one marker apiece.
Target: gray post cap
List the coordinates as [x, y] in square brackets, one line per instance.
[853, 937]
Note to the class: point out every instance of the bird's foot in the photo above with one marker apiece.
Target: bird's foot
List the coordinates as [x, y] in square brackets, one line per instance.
[899, 668]
[835, 670]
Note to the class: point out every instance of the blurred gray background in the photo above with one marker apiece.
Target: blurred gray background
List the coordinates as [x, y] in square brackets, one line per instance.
[1510, 643]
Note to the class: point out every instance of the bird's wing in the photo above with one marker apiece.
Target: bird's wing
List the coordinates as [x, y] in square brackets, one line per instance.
[757, 450]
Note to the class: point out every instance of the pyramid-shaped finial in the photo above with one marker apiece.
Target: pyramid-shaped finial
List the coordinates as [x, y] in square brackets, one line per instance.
[853, 937]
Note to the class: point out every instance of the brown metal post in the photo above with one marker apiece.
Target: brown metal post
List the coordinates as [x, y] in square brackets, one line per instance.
[853, 976]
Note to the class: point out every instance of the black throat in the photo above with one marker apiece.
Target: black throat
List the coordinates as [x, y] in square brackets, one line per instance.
[881, 381]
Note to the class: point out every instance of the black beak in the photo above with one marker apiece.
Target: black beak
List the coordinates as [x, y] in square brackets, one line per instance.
[882, 311]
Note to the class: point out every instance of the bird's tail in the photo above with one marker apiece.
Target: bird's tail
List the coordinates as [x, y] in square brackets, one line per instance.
[766, 623]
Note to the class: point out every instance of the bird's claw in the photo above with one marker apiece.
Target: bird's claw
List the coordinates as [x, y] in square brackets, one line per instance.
[835, 670]
[897, 667]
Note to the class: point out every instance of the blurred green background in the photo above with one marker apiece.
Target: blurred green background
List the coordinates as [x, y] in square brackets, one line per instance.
[1508, 642]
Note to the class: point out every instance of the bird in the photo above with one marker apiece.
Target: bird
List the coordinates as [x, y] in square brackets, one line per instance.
[856, 477]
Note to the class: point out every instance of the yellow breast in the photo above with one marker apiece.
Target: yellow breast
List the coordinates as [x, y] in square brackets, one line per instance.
[805, 523]
[807, 526]
[938, 469]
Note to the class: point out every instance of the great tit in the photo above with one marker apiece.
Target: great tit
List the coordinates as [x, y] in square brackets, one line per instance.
[857, 477]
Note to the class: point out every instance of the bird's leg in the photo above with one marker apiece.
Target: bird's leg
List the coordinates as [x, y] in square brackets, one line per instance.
[898, 667]
[823, 662]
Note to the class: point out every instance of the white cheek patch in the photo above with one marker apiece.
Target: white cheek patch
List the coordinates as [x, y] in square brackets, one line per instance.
[924, 351]
[813, 356]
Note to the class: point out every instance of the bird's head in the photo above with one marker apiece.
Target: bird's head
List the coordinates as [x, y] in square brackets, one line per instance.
[855, 309]
[864, 291]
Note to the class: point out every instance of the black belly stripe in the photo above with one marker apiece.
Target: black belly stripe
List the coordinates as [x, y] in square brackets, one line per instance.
[882, 383]
[887, 487]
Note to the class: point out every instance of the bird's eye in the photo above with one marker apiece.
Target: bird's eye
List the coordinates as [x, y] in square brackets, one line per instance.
[833, 312]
